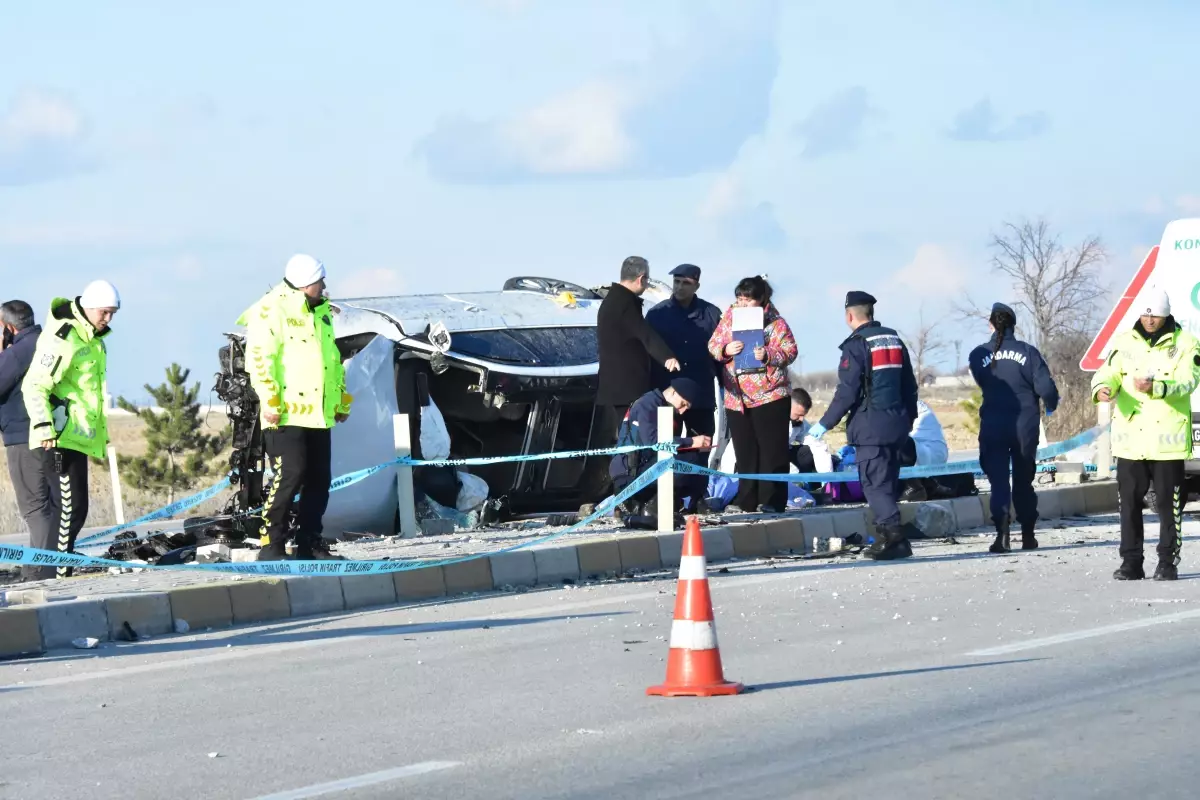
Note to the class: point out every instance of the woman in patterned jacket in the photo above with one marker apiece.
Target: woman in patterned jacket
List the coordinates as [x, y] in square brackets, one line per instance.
[757, 398]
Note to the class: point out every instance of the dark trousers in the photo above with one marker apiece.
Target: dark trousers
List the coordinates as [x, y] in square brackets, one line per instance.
[300, 459]
[606, 427]
[996, 456]
[686, 484]
[760, 444]
[802, 456]
[31, 484]
[879, 473]
[701, 422]
[52, 495]
[1133, 479]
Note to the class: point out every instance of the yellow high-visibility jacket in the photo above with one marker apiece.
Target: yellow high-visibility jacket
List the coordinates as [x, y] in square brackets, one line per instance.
[293, 361]
[1154, 425]
[65, 385]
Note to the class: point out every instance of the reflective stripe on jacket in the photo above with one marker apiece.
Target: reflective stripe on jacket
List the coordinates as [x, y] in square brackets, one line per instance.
[293, 360]
[1154, 425]
[65, 385]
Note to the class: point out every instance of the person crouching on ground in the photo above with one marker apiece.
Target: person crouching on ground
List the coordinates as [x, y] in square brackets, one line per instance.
[640, 428]
[926, 446]
[757, 398]
[1150, 376]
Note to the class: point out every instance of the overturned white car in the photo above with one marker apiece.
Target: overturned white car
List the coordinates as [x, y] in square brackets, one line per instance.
[480, 374]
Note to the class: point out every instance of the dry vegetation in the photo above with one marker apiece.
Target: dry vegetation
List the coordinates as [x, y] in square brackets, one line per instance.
[943, 400]
[126, 433]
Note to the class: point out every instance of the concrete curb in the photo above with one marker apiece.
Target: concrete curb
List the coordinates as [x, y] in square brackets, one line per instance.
[30, 625]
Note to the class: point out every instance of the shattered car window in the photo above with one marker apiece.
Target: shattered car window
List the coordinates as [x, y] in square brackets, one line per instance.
[550, 347]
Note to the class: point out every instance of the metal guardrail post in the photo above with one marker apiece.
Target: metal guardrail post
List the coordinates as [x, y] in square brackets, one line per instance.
[405, 496]
[666, 481]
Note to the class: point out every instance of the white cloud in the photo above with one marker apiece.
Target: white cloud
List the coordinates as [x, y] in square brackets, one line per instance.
[1154, 206]
[650, 118]
[41, 138]
[724, 196]
[933, 272]
[579, 131]
[1188, 204]
[367, 282]
[34, 114]
[740, 221]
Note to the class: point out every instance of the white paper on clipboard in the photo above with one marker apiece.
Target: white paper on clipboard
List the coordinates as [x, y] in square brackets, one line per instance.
[747, 329]
[747, 318]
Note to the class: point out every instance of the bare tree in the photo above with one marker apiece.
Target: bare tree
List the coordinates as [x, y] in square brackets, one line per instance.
[924, 344]
[1057, 291]
[1058, 288]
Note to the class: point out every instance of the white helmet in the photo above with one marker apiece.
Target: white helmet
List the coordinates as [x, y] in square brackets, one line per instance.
[100, 294]
[303, 270]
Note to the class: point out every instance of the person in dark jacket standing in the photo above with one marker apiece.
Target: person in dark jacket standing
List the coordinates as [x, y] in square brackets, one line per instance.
[686, 322]
[628, 345]
[26, 467]
[1015, 381]
[877, 388]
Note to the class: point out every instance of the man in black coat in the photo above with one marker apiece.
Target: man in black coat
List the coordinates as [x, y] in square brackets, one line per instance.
[627, 347]
[25, 466]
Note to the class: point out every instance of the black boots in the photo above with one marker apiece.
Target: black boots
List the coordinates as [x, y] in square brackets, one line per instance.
[890, 544]
[1130, 570]
[1028, 540]
[272, 552]
[316, 550]
[1002, 544]
[1166, 571]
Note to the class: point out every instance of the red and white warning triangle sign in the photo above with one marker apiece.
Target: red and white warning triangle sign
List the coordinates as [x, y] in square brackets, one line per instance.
[1173, 265]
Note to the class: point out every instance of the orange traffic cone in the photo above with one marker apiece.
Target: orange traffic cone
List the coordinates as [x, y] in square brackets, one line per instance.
[694, 662]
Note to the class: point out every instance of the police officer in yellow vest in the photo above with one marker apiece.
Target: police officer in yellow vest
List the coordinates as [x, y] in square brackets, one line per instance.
[1150, 376]
[64, 397]
[296, 371]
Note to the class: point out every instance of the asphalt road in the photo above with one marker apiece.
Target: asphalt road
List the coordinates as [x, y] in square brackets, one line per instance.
[954, 674]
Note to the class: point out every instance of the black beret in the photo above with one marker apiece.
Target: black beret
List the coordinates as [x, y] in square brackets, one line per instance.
[1000, 308]
[687, 271]
[857, 298]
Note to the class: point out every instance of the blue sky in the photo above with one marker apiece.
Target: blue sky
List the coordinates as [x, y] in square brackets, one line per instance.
[184, 152]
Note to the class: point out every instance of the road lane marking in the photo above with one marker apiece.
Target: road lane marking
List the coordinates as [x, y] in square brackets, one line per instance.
[370, 779]
[1090, 633]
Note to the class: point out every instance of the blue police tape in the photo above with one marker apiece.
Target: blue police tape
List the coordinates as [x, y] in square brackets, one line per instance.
[166, 512]
[344, 481]
[108, 535]
[668, 447]
[929, 470]
[17, 554]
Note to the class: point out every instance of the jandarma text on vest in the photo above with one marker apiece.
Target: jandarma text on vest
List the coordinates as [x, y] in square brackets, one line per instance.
[1005, 355]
